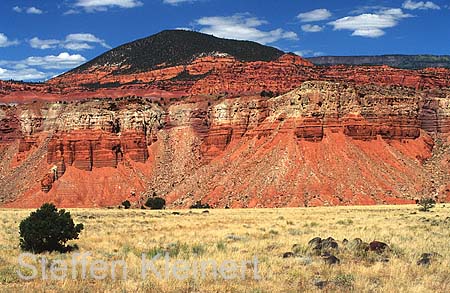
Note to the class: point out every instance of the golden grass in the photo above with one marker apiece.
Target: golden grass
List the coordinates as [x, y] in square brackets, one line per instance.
[242, 234]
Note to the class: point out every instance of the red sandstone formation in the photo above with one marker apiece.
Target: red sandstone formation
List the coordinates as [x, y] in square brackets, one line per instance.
[216, 76]
[321, 144]
[255, 129]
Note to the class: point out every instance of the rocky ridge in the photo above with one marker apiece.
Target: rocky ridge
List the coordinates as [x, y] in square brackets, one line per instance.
[325, 143]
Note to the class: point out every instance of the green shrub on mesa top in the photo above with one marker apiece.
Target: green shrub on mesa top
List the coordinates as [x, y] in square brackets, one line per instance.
[48, 229]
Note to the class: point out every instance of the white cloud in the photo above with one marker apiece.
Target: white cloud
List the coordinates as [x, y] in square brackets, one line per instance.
[28, 10]
[83, 37]
[81, 40]
[423, 5]
[184, 29]
[308, 53]
[22, 74]
[370, 25]
[43, 44]
[5, 42]
[368, 9]
[103, 5]
[309, 28]
[39, 67]
[61, 61]
[74, 42]
[177, 2]
[34, 10]
[369, 32]
[314, 15]
[242, 27]
[77, 46]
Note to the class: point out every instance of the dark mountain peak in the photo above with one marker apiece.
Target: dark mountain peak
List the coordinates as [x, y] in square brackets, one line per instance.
[177, 47]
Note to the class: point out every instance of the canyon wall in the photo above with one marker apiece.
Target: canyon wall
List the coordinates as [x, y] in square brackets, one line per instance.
[324, 143]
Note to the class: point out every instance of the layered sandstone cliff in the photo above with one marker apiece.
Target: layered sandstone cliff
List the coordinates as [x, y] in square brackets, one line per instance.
[84, 135]
[324, 143]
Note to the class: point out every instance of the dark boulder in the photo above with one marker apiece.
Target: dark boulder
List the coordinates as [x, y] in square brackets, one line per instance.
[315, 245]
[358, 245]
[378, 247]
[427, 258]
[314, 242]
[331, 259]
[329, 243]
[318, 245]
[356, 242]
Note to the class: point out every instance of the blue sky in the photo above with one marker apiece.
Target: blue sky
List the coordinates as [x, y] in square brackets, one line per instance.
[40, 39]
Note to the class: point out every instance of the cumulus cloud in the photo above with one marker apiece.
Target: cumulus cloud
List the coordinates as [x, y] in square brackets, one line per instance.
[242, 27]
[422, 5]
[103, 5]
[370, 25]
[61, 61]
[43, 44]
[28, 10]
[5, 42]
[74, 42]
[39, 67]
[314, 15]
[309, 28]
[34, 10]
[22, 74]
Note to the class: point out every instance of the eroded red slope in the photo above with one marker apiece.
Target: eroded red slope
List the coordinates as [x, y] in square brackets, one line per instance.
[214, 75]
[322, 144]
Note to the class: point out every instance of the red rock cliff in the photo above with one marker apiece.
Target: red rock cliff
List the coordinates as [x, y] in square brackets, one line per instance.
[325, 143]
[215, 75]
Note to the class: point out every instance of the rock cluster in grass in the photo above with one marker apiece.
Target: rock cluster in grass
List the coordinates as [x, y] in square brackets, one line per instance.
[331, 251]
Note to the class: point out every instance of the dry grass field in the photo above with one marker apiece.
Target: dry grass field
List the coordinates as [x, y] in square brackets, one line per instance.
[192, 236]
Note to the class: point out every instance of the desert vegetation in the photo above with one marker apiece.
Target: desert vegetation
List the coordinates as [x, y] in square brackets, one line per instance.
[48, 229]
[200, 205]
[426, 204]
[126, 204]
[339, 249]
[155, 203]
